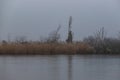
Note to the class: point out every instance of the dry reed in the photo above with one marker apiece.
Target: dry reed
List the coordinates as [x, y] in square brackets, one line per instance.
[45, 49]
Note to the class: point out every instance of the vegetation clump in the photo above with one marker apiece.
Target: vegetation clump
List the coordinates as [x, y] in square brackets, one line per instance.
[45, 49]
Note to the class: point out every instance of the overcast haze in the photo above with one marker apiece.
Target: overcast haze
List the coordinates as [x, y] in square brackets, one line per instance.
[35, 18]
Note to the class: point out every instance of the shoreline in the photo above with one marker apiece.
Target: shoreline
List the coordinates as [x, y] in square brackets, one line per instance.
[49, 49]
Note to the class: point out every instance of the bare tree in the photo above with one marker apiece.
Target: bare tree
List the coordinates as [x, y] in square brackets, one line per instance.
[70, 35]
[54, 36]
[90, 40]
[100, 36]
[98, 40]
[21, 39]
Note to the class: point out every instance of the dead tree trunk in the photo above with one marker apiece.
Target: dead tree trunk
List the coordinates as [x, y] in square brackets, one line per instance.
[70, 35]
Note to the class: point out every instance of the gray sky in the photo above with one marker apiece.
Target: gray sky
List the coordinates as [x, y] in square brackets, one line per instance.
[35, 18]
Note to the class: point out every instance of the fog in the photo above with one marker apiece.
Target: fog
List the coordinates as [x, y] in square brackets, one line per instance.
[36, 18]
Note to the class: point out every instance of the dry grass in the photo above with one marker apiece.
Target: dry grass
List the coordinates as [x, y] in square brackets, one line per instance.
[45, 49]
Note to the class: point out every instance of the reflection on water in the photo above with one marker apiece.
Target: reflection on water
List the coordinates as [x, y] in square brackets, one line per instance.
[60, 68]
[69, 67]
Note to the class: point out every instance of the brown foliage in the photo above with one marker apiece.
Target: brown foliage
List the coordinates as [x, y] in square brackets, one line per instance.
[45, 49]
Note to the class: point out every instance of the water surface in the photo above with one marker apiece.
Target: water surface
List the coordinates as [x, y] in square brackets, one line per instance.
[60, 68]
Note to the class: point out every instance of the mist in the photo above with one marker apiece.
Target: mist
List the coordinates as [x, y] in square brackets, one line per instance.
[36, 18]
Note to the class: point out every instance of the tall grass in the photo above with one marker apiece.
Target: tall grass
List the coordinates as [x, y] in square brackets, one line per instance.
[45, 49]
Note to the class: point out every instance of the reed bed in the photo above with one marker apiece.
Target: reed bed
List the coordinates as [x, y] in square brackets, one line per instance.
[45, 49]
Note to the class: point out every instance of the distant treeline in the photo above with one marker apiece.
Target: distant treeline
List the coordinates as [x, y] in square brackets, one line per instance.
[96, 44]
[52, 45]
[103, 44]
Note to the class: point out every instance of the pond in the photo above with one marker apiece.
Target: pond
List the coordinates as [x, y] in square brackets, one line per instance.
[61, 67]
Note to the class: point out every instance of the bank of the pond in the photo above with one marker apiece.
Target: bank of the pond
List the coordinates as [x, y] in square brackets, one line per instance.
[45, 49]
[55, 49]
